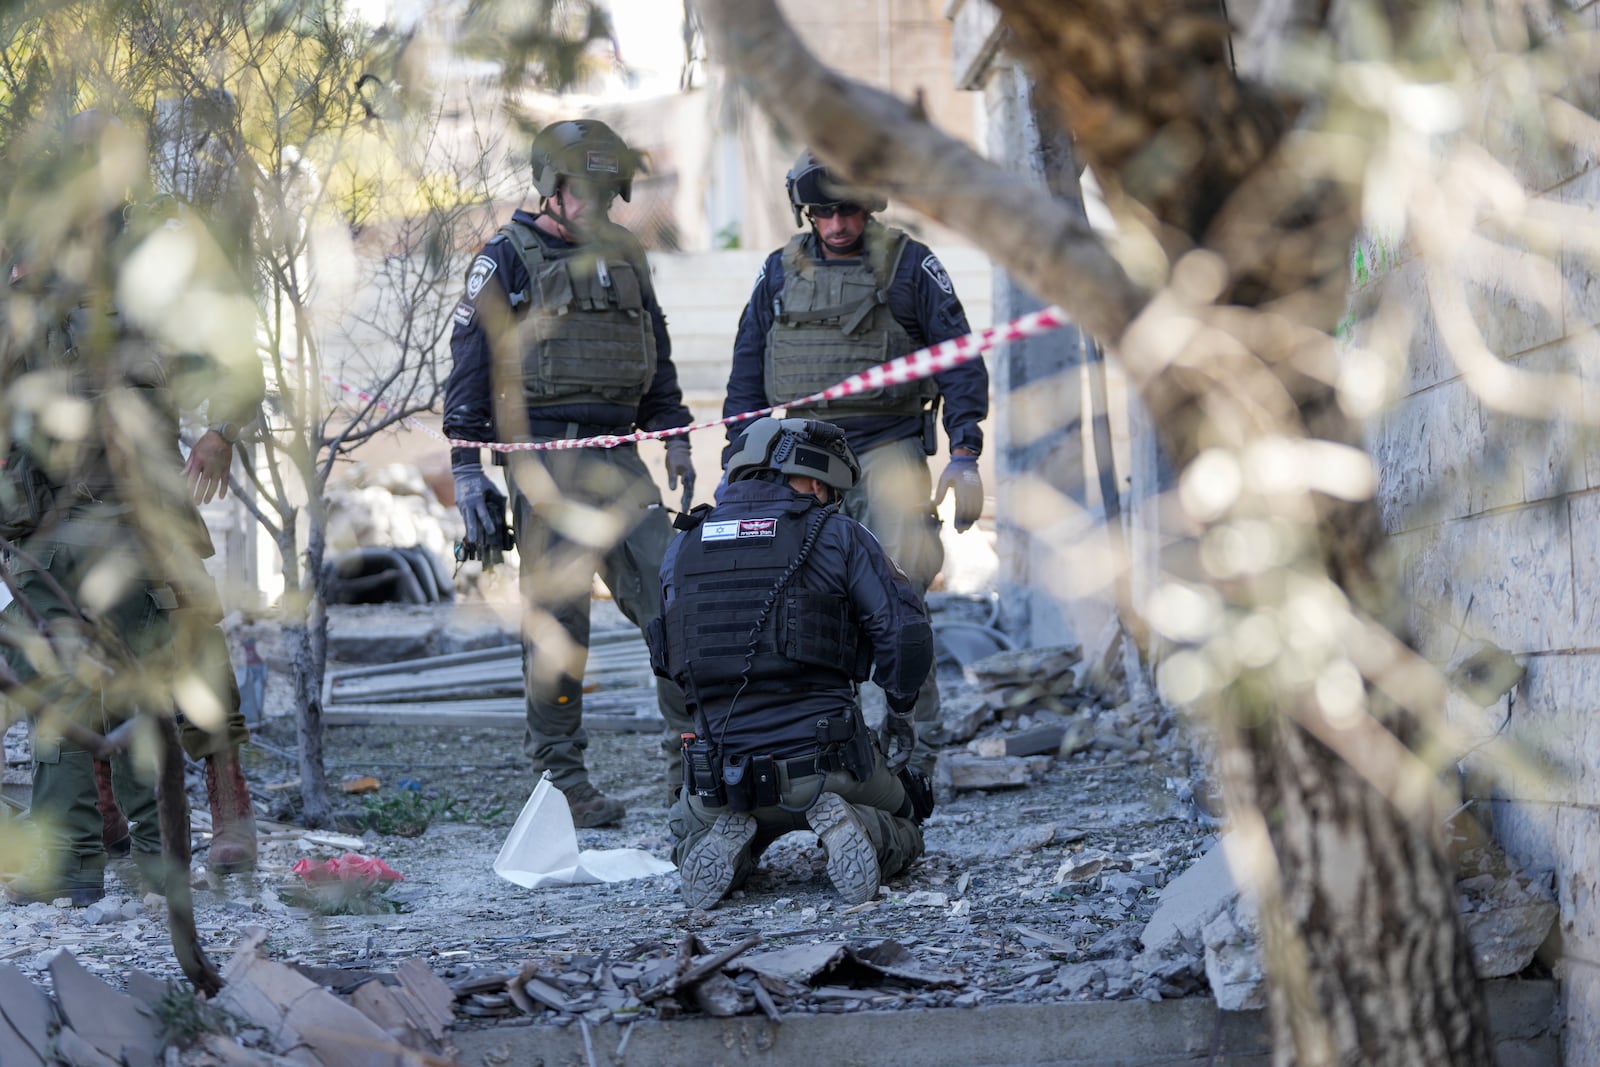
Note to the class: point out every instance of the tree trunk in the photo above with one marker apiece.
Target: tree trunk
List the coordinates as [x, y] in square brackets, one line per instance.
[305, 631]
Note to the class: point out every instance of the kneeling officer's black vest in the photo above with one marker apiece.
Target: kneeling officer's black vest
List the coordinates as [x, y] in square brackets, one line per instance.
[732, 606]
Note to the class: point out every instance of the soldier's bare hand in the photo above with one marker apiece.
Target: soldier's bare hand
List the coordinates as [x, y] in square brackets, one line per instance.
[207, 467]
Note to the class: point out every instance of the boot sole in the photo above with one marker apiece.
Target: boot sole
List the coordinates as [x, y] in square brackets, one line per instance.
[852, 861]
[711, 865]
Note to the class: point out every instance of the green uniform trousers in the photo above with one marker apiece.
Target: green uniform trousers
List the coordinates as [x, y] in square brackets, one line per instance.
[879, 801]
[580, 512]
[894, 499]
[169, 643]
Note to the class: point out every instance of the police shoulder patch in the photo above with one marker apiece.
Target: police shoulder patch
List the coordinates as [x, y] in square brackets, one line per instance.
[482, 269]
[936, 271]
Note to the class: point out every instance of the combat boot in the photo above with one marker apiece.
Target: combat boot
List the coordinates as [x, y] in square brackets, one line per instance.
[591, 808]
[852, 859]
[712, 865]
[233, 820]
[113, 824]
[82, 883]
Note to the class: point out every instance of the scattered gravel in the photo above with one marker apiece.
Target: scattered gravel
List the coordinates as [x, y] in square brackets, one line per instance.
[1029, 894]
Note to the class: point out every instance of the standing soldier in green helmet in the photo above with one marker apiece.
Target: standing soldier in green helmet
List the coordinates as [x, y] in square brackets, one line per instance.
[559, 336]
[122, 311]
[847, 294]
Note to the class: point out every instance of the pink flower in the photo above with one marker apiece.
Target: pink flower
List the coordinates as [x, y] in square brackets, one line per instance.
[351, 869]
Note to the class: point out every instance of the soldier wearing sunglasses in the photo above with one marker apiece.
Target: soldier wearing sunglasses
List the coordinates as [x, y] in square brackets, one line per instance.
[844, 295]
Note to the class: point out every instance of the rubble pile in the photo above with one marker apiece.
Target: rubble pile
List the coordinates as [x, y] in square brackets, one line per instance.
[1069, 873]
[1021, 710]
[655, 979]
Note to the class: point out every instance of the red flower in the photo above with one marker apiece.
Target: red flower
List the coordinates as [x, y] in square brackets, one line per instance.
[349, 869]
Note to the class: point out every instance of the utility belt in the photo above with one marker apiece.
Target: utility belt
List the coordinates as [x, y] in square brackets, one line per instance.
[746, 782]
[571, 431]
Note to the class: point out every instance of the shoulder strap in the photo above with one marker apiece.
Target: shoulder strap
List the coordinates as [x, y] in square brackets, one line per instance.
[526, 241]
[688, 520]
[886, 246]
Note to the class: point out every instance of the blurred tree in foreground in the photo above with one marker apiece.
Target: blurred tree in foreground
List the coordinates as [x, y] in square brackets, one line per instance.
[1237, 196]
[357, 190]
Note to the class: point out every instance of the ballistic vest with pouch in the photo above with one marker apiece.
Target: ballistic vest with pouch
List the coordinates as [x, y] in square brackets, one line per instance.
[727, 610]
[832, 320]
[587, 337]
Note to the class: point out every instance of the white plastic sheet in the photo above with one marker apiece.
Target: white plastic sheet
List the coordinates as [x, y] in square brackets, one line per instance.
[542, 849]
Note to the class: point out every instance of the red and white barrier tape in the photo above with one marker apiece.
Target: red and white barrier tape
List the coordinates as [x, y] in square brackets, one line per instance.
[923, 363]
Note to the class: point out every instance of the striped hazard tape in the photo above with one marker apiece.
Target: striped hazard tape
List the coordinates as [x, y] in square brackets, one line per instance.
[923, 363]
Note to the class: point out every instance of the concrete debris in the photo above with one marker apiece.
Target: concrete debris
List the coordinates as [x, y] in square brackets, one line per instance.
[977, 772]
[28, 1015]
[1508, 911]
[1053, 881]
[297, 1015]
[1508, 914]
[1039, 741]
[1233, 957]
[118, 1027]
[1085, 865]
[654, 980]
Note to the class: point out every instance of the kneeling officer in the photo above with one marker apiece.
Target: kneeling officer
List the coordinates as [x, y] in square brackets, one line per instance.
[777, 606]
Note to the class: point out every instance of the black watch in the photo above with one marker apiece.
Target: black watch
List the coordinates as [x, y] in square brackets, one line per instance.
[228, 431]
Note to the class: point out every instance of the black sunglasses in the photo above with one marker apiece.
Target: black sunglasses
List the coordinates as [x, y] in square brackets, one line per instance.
[828, 211]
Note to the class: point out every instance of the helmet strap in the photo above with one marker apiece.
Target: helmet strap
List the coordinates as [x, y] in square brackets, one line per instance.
[550, 205]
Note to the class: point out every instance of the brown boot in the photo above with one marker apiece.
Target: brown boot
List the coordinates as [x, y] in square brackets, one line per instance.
[590, 807]
[233, 820]
[113, 824]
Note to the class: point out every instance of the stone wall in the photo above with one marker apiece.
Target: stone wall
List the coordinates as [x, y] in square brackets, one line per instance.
[1492, 515]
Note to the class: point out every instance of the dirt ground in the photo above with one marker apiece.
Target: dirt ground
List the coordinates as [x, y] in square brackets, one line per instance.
[982, 904]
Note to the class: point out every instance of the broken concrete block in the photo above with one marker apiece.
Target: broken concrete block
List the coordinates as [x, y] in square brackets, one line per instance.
[1082, 866]
[978, 772]
[103, 911]
[1233, 958]
[302, 1016]
[1190, 901]
[960, 719]
[1042, 740]
[26, 1016]
[1125, 886]
[112, 1022]
[1506, 934]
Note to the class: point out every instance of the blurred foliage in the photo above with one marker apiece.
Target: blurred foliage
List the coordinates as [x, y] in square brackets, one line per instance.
[409, 812]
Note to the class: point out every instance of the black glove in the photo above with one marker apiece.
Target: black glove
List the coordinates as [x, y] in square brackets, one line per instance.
[483, 507]
[680, 465]
[962, 475]
[899, 737]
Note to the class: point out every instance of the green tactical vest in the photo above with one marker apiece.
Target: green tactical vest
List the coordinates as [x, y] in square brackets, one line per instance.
[834, 321]
[587, 336]
[45, 474]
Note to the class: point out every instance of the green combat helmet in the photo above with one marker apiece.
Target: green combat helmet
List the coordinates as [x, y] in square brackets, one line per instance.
[807, 447]
[583, 150]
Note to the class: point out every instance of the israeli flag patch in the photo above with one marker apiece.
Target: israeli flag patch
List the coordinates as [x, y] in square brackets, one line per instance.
[738, 529]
